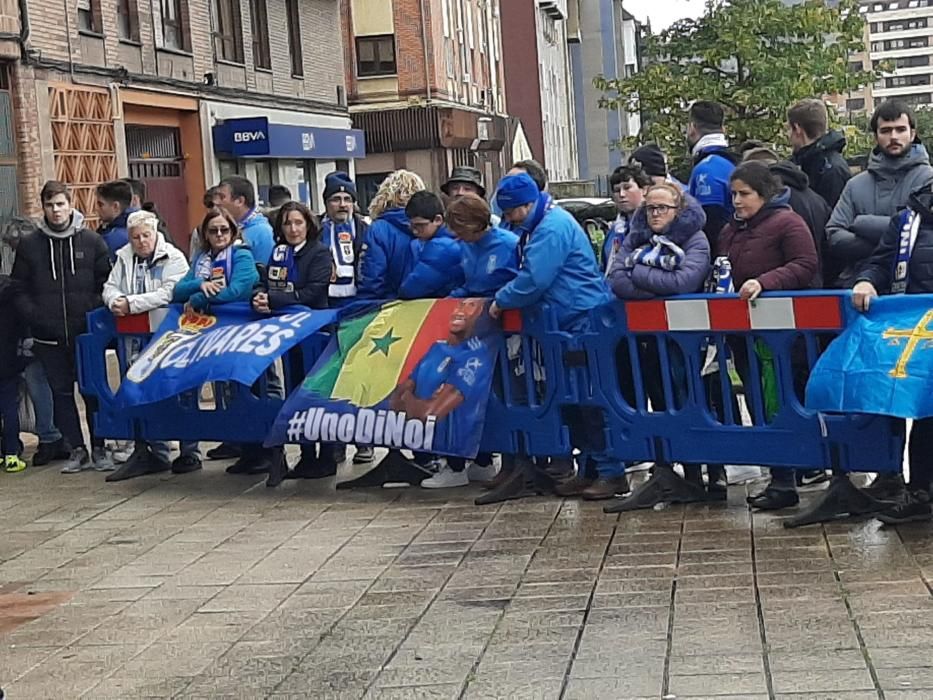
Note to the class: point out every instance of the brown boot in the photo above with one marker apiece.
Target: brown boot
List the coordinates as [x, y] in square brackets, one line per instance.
[574, 487]
[604, 489]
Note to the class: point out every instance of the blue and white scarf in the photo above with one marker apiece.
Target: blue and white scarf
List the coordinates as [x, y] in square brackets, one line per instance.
[660, 251]
[910, 227]
[216, 268]
[524, 230]
[341, 239]
[282, 272]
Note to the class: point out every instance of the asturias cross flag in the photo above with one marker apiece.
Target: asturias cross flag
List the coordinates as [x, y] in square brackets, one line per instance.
[412, 375]
[231, 343]
[882, 363]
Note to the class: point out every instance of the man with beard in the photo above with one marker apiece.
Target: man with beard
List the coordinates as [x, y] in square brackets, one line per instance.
[898, 165]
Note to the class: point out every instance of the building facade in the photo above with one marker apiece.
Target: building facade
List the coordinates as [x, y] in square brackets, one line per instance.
[609, 46]
[539, 84]
[899, 34]
[425, 83]
[174, 92]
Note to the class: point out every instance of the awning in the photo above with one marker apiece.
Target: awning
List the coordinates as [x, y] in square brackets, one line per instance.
[255, 137]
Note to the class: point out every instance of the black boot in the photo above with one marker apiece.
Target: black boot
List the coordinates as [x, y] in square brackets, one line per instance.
[50, 451]
[311, 467]
[773, 499]
[143, 461]
[278, 469]
[887, 487]
[224, 450]
[717, 485]
[253, 460]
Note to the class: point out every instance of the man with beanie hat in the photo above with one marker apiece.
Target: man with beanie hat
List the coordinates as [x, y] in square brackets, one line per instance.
[651, 159]
[343, 231]
[557, 267]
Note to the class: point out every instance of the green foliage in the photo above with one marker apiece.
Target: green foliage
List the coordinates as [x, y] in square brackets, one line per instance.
[755, 57]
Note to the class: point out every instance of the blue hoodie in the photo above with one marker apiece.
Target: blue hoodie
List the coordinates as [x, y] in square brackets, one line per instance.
[386, 258]
[115, 234]
[558, 268]
[489, 264]
[257, 232]
[436, 269]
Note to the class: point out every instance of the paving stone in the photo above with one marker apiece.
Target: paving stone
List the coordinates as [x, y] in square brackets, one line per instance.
[819, 680]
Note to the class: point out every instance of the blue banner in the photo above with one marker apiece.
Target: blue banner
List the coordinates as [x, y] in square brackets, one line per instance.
[232, 343]
[882, 363]
[412, 375]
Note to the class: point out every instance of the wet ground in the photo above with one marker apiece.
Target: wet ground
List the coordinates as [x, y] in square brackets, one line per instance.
[212, 586]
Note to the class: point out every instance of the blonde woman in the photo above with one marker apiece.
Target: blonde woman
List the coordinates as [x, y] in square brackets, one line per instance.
[386, 257]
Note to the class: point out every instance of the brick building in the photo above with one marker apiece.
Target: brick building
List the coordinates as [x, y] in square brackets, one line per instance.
[175, 92]
[424, 82]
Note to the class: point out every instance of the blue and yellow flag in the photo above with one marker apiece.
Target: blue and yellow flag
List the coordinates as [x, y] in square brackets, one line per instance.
[882, 363]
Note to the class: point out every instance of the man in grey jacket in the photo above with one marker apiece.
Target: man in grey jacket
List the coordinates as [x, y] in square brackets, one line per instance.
[898, 165]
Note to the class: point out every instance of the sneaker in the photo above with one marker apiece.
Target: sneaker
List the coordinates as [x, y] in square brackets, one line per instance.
[812, 476]
[364, 455]
[78, 461]
[102, 461]
[475, 472]
[13, 464]
[49, 452]
[916, 508]
[122, 450]
[446, 478]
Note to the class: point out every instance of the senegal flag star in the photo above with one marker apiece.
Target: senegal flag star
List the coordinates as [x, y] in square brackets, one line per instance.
[384, 343]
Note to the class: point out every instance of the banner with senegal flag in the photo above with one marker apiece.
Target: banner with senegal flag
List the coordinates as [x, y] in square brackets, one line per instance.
[411, 375]
[882, 363]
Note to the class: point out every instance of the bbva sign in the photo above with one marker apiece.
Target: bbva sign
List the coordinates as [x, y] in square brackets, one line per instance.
[248, 136]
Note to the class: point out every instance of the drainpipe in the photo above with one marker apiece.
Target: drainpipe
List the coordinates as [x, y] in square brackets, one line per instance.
[427, 56]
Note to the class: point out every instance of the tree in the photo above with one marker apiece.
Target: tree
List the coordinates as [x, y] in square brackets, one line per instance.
[755, 57]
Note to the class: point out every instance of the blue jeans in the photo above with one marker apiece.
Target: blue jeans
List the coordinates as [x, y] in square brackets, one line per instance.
[37, 386]
[163, 449]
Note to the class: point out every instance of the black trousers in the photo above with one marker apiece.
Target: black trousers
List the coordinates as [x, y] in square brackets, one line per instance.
[920, 454]
[61, 369]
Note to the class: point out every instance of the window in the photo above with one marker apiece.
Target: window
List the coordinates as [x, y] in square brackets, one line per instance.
[127, 20]
[262, 57]
[174, 31]
[228, 31]
[375, 55]
[294, 37]
[89, 16]
[855, 105]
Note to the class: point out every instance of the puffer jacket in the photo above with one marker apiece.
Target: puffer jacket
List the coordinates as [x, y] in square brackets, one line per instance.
[868, 202]
[164, 270]
[824, 165]
[243, 278]
[879, 270]
[386, 256]
[436, 269]
[810, 206]
[774, 246]
[61, 276]
[489, 264]
[645, 281]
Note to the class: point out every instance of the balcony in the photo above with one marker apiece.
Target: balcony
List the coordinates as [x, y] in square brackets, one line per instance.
[555, 9]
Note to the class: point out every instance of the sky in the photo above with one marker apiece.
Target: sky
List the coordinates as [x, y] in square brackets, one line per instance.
[663, 13]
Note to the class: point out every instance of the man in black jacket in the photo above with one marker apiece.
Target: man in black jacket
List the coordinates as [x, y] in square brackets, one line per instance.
[896, 268]
[818, 151]
[61, 270]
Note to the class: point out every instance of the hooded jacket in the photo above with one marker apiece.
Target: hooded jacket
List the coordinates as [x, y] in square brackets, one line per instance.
[61, 276]
[810, 206]
[11, 326]
[257, 234]
[386, 256]
[243, 278]
[436, 269]
[115, 234]
[825, 166]
[879, 270]
[313, 269]
[558, 268]
[774, 246]
[489, 264]
[709, 184]
[868, 202]
[645, 281]
[164, 269]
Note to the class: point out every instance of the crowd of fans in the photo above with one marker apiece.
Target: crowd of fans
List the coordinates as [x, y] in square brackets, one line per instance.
[747, 221]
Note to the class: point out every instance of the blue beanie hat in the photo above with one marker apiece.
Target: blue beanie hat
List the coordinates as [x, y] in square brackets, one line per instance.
[337, 182]
[515, 191]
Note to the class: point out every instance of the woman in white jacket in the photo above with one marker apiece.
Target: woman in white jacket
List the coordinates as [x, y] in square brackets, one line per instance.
[142, 280]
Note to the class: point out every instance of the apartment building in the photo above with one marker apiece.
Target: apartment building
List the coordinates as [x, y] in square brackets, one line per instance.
[609, 44]
[539, 83]
[175, 92]
[898, 33]
[425, 84]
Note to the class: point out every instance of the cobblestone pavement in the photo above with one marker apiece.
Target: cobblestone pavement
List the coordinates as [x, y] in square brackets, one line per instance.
[213, 586]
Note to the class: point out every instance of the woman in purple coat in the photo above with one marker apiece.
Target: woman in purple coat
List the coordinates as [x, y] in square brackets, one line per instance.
[665, 253]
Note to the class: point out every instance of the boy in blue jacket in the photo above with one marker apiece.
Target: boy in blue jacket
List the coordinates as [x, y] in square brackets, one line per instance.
[114, 201]
[489, 254]
[435, 252]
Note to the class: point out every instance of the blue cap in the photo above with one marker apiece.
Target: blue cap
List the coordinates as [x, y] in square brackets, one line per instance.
[337, 182]
[515, 191]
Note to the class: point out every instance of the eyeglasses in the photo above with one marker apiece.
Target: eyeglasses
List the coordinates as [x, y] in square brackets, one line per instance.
[218, 231]
[659, 209]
